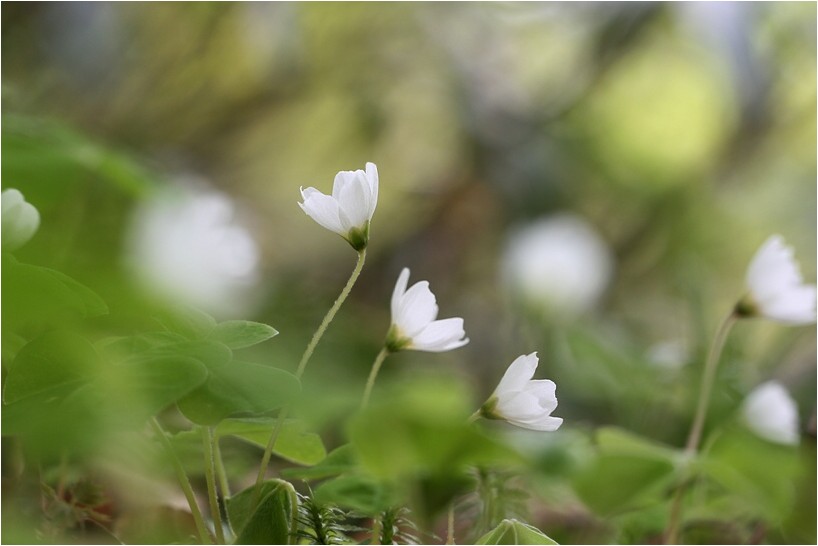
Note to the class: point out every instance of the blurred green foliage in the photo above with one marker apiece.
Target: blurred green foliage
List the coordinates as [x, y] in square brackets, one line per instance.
[685, 134]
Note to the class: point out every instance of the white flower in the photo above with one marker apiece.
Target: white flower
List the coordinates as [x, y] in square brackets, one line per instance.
[770, 412]
[413, 320]
[776, 288]
[523, 401]
[558, 265]
[189, 247]
[20, 219]
[349, 209]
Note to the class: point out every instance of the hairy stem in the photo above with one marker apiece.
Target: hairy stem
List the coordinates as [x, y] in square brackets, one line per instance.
[183, 481]
[450, 525]
[695, 435]
[370, 382]
[209, 441]
[302, 365]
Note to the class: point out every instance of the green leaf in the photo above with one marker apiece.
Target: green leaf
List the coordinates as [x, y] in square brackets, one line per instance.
[293, 443]
[239, 387]
[53, 360]
[358, 492]
[511, 531]
[189, 322]
[238, 334]
[36, 295]
[266, 518]
[341, 459]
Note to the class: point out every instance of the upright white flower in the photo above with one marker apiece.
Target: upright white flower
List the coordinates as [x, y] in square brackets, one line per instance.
[558, 265]
[20, 219]
[770, 412]
[776, 287]
[413, 320]
[349, 209]
[524, 401]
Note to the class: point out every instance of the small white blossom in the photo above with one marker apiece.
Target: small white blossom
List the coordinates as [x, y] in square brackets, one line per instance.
[349, 209]
[524, 401]
[770, 412]
[413, 320]
[20, 219]
[776, 287]
[558, 265]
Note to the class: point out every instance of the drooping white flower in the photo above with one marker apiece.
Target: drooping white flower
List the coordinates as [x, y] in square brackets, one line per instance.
[776, 287]
[558, 265]
[188, 246]
[413, 320]
[770, 412]
[349, 209]
[20, 219]
[524, 401]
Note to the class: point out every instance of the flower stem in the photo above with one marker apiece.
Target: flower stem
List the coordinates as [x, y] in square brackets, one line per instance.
[370, 382]
[302, 365]
[183, 481]
[474, 416]
[221, 473]
[209, 441]
[695, 435]
[450, 525]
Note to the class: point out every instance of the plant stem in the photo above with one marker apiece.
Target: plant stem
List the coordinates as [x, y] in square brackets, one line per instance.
[376, 530]
[474, 417]
[302, 365]
[221, 473]
[695, 435]
[209, 441]
[450, 525]
[183, 481]
[370, 382]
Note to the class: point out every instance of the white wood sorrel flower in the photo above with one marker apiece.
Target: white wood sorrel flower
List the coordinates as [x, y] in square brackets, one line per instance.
[770, 412]
[349, 209]
[413, 320]
[20, 219]
[776, 287]
[524, 401]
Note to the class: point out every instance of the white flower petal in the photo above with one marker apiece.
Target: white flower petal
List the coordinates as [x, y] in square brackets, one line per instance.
[440, 335]
[518, 374]
[519, 406]
[544, 424]
[771, 413]
[545, 391]
[399, 291]
[323, 209]
[372, 178]
[794, 306]
[20, 219]
[418, 307]
[353, 200]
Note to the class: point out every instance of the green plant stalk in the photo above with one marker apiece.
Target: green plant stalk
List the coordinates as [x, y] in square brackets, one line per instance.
[302, 365]
[370, 382]
[221, 473]
[450, 525]
[695, 435]
[209, 441]
[376, 530]
[183, 481]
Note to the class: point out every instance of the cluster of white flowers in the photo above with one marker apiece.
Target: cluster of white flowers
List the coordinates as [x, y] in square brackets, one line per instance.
[348, 212]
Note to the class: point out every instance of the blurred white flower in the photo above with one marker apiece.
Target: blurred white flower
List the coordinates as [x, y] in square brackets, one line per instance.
[776, 287]
[669, 355]
[770, 412]
[558, 265]
[20, 219]
[187, 246]
[524, 401]
[413, 320]
[349, 209]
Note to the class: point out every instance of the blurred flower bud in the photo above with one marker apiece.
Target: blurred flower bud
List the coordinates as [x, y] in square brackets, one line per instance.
[557, 265]
[770, 412]
[186, 246]
[20, 219]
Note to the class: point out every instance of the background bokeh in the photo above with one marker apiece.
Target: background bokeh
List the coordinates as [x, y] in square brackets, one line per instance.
[680, 135]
